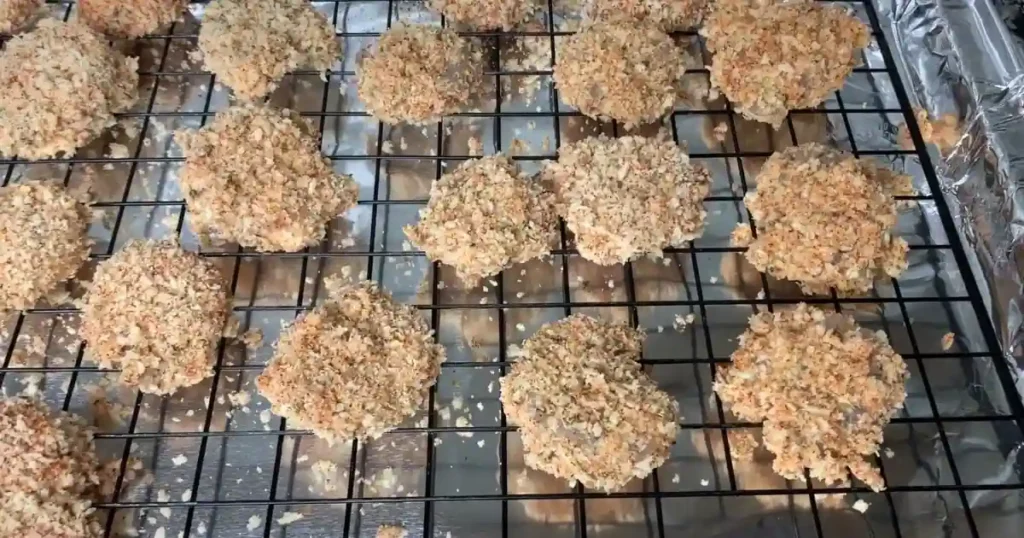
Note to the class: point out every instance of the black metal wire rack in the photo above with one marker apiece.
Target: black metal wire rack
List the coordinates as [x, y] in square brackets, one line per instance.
[220, 465]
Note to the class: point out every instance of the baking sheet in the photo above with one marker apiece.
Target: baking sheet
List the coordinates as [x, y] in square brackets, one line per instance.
[250, 461]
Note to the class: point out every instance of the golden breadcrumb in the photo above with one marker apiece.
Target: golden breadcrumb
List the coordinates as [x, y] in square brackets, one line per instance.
[15, 15]
[60, 86]
[50, 473]
[391, 531]
[418, 74]
[137, 18]
[43, 241]
[255, 176]
[824, 388]
[825, 219]
[157, 313]
[669, 15]
[944, 132]
[620, 71]
[354, 367]
[630, 196]
[484, 216]
[251, 44]
[771, 57]
[585, 409]
[487, 14]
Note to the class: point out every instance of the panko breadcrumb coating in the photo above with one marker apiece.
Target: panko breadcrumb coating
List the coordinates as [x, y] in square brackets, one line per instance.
[621, 71]
[60, 86]
[137, 18]
[669, 15]
[824, 388]
[487, 14]
[157, 313]
[630, 196]
[17, 14]
[771, 57]
[354, 367]
[484, 216]
[49, 475]
[43, 241]
[418, 74]
[825, 219]
[255, 176]
[585, 409]
[251, 44]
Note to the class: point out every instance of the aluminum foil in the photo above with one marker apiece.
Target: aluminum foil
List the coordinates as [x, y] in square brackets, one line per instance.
[249, 459]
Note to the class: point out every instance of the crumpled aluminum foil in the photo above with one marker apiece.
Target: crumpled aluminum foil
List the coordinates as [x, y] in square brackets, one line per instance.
[959, 58]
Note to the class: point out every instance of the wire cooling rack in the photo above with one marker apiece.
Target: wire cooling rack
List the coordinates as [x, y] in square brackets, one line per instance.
[217, 463]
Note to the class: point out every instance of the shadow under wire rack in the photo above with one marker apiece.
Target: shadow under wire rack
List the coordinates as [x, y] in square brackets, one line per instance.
[218, 464]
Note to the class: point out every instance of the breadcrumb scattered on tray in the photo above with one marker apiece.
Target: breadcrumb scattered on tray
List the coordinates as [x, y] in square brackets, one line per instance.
[861, 506]
[156, 312]
[620, 71]
[418, 74]
[354, 367]
[15, 15]
[137, 18]
[944, 132]
[288, 518]
[824, 388]
[586, 411]
[50, 473]
[484, 216]
[43, 241]
[948, 340]
[669, 15]
[60, 86]
[487, 14]
[392, 531]
[255, 176]
[770, 57]
[253, 338]
[658, 196]
[251, 44]
[825, 219]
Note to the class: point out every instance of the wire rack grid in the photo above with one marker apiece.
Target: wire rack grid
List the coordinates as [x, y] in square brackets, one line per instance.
[216, 464]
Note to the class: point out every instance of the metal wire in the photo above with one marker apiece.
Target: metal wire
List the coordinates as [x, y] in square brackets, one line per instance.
[379, 205]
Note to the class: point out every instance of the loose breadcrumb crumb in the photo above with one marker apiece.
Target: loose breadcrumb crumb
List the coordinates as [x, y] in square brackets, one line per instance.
[825, 219]
[669, 15]
[137, 18]
[487, 14]
[253, 338]
[861, 506]
[620, 71]
[658, 196]
[484, 216]
[251, 44]
[418, 74]
[255, 176]
[391, 531]
[770, 57]
[586, 410]
[15, 15]
[944, 132]
[288, 518]
[156, 312]
[948, 340]
[60, 86]
[354, 367]
[824, 388]
[50, 473]
[43, 241]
